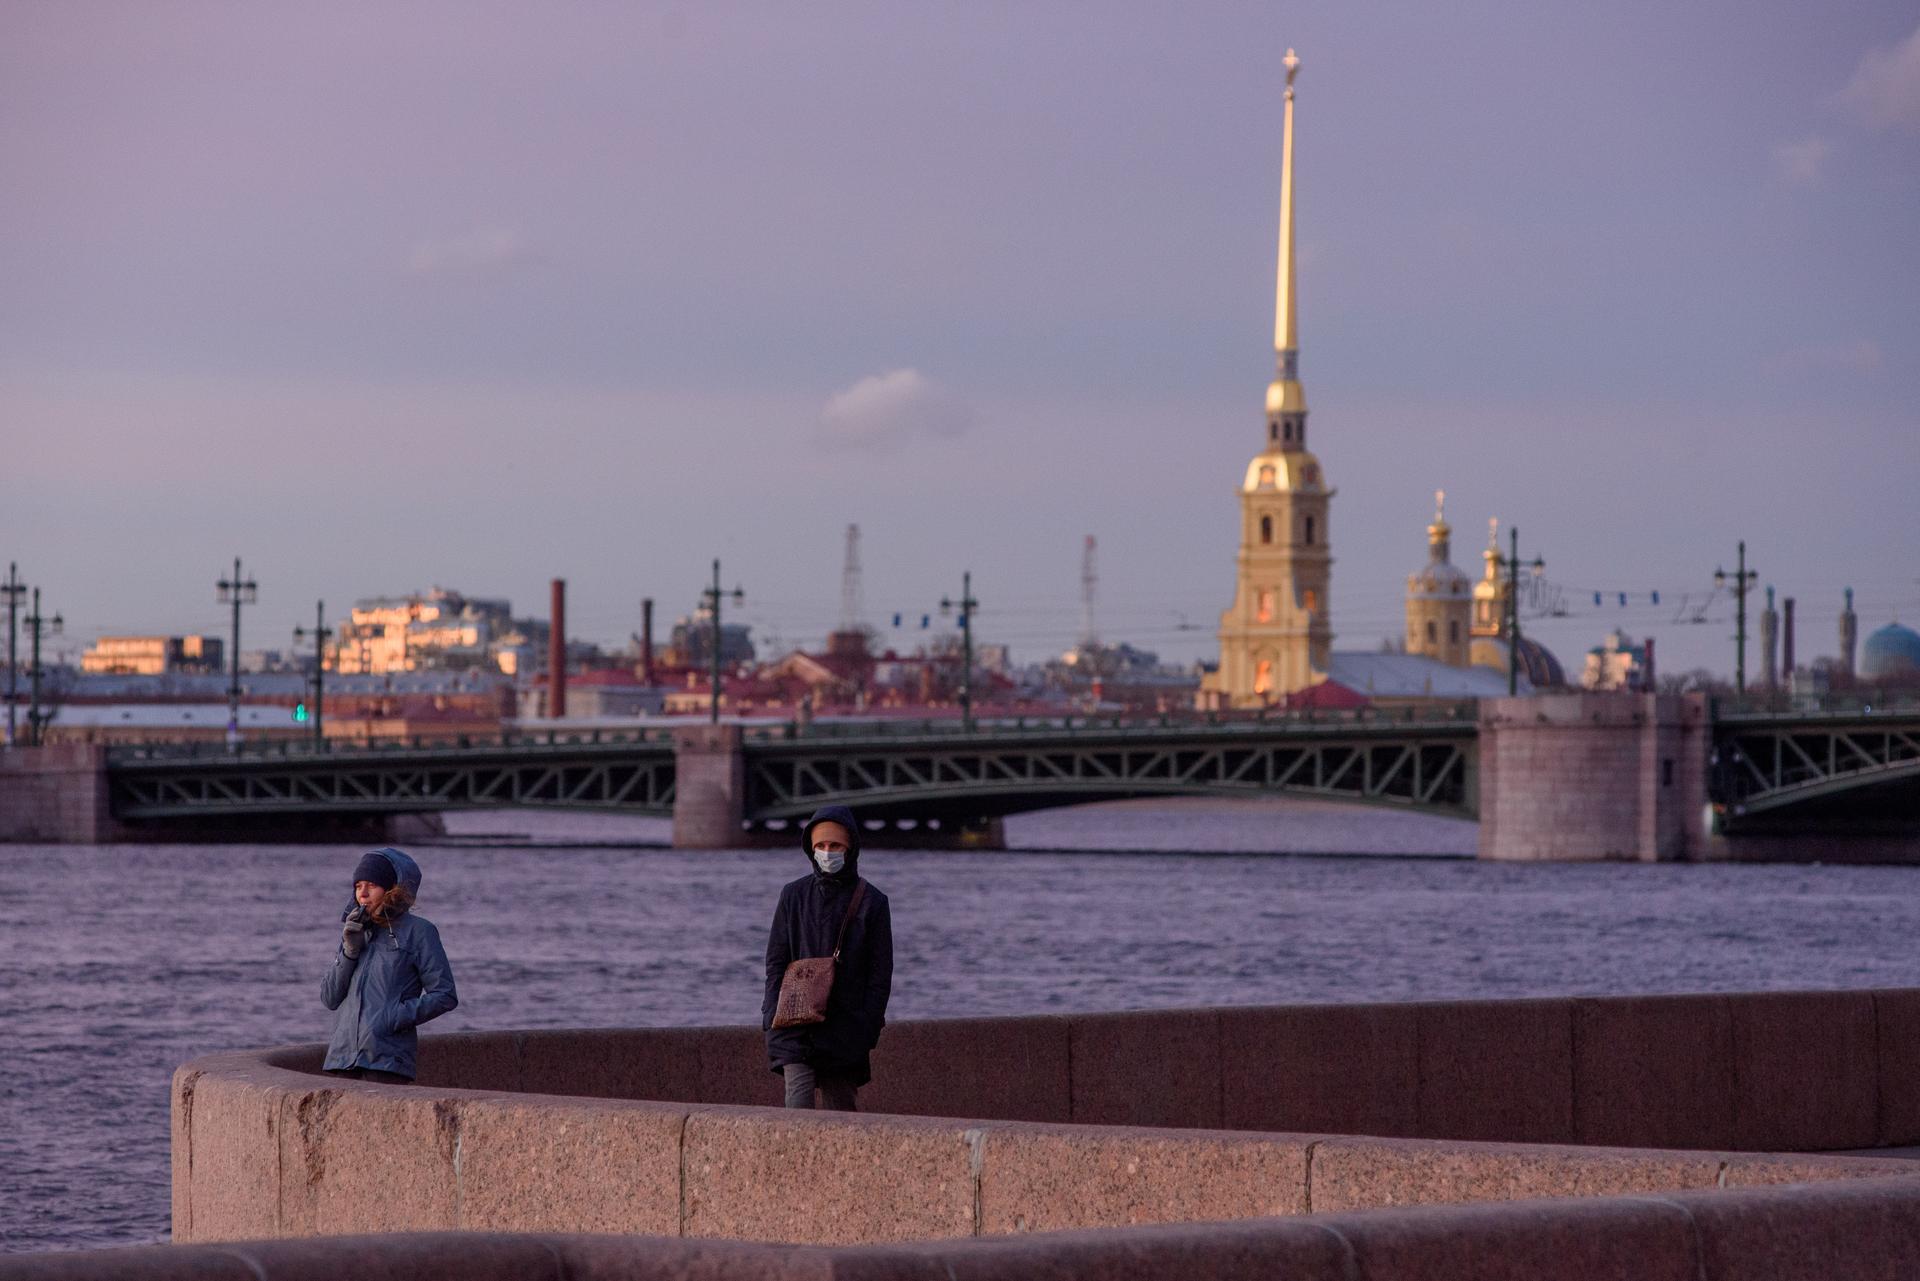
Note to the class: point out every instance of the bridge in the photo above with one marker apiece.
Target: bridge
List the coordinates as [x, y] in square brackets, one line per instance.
[1570, 776]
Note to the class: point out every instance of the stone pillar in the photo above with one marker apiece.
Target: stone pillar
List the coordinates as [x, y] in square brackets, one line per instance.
[1593, 776]
[56, 795]
[710, 787]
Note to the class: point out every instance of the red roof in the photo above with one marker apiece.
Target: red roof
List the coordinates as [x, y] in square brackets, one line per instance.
[1327, 696]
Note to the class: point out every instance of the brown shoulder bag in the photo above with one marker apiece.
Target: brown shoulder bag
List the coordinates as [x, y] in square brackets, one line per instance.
[808, 982]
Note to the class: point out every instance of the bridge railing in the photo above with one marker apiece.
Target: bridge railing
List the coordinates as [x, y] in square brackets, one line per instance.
[307, 749]
[1065, 723]
[1781, 706]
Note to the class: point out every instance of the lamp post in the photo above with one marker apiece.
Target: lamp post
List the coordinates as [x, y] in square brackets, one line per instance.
[321, 635]
[38, 626]
[1511, 564]
[1743, 580]
[966, 605]
[713, 596]
[13, 589]
[236, 591]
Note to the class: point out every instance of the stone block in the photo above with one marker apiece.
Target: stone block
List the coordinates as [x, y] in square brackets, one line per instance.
[734, 1068]
[1766, 1171]
[469, 1061]
[1149, 1067]
[657, 1064]
[1050, 1178]
[134, 1263]
[421, 1256]
[579, 1165]
[1897, 1018]
[1320, 1069]
[1646, 1240]
[1806, 1072]
[1365, 1174]
[997, 1069]
[826, 1178]
[1654, 1072]
[232, 1125]
[358, 1157]
[1256, 1250]
[619, 1258]
[1865, 1231]
[1496, 1070]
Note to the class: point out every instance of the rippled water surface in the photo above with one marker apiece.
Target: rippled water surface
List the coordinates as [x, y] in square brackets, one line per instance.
[118, 963]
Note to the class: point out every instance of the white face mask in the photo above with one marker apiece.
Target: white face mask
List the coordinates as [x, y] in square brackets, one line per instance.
[829, 861]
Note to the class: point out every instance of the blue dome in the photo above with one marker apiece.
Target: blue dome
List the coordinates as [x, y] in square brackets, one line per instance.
[1892, 653]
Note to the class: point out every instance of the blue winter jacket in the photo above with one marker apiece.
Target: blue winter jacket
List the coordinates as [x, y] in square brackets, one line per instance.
[400, 980]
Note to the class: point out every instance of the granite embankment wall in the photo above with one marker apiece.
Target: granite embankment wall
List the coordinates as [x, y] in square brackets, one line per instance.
[1083, 1121]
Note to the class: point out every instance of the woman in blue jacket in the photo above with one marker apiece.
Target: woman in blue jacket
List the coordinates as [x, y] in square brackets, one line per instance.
[389, 976]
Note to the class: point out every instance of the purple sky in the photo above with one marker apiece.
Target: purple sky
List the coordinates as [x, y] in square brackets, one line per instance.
[386, 296]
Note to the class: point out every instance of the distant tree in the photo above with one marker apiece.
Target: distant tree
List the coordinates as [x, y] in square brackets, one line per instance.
[1697, 681]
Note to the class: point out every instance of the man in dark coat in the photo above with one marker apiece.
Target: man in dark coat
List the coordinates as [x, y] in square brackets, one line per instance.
[830, 1056]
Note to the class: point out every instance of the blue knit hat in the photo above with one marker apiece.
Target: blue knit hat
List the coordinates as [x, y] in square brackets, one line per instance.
[377, 868]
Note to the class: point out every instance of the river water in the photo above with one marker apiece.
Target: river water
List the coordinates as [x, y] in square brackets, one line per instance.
[118, 963]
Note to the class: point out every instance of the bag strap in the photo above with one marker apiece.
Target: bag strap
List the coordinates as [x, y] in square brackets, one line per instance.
[853, 905]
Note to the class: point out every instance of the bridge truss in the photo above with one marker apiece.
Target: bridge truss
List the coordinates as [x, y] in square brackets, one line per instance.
[635, 778]
[1423, 767]
[1767, 762]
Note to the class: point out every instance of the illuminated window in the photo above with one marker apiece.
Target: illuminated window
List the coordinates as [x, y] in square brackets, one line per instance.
[1312, 600]
[1263, 676]
[1266, 476]
[1266, 529]
[1264, 613]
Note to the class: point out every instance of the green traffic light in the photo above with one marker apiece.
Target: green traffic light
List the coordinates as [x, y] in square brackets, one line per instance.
[300, 713]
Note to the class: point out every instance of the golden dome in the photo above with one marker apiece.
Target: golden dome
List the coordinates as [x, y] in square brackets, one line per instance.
[1296, 471]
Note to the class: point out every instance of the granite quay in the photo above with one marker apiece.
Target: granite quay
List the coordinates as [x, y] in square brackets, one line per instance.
[1640, 1117]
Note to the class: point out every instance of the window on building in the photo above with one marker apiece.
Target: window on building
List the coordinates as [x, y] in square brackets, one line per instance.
[1266, 529]
[1453, 631]
[1266, 477]
[1264, 612]
[1433, 633]
[1273, 431]
[1263, 676]
[1309, 531]
[1666, 771]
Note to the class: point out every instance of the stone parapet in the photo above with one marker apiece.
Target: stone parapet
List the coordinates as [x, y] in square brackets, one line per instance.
[1078, 1121]
[1865, 1228]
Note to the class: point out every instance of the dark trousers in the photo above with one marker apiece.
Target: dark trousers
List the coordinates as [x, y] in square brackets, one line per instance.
[836, 1090]
[369, 1074]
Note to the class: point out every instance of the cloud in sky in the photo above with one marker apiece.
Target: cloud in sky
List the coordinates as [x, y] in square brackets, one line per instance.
[896, 406]
[482, 252]
[1885, 89]
[1801, 163]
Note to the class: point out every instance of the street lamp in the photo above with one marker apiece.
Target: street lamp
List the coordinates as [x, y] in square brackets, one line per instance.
[1512, 565]
[966, 605]
[713, 596]
[321, 633]
[13, 589]
[38, 626]
[236, 591]
[1743, 580]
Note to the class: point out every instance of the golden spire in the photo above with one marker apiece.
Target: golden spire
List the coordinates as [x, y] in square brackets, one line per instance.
[1439, 533]
[1286, 331]
[1286, 399]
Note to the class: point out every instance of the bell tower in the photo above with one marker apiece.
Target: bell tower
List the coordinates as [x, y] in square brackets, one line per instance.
[1276, 638]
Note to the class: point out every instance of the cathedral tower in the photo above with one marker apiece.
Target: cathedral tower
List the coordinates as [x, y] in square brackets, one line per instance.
[1276, 637]
[1439, 597]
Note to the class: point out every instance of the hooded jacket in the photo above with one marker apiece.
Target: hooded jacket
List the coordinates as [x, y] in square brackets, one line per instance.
[400, 980]
[805, 923]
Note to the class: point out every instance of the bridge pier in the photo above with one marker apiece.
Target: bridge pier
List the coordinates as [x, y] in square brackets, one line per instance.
[1594, 776]
[56, 795]
[710, 787]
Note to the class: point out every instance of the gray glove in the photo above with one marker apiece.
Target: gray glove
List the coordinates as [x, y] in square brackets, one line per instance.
[353, 933]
